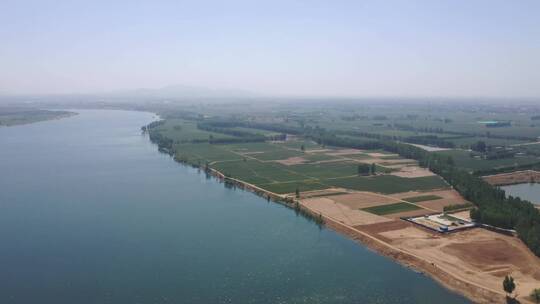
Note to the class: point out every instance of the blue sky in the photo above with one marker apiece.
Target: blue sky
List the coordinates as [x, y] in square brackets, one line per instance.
[310, 48]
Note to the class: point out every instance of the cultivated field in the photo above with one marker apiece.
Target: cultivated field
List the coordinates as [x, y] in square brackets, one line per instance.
[434, 200]
[330, 159]
[282, 168]
[464, 160]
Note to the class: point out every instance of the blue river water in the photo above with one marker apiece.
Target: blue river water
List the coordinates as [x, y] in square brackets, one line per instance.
[91, 212]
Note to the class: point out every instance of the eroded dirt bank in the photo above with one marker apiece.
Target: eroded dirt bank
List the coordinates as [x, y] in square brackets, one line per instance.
[517, 177]
[472, 263]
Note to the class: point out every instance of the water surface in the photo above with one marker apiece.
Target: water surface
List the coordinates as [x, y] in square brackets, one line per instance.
[526, 191]
[90, 212]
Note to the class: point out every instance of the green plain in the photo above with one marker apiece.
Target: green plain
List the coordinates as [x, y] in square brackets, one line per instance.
[391, 208]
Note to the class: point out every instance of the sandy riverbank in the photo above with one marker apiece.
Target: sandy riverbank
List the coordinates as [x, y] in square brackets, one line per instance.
[472, 291]
[471, 263]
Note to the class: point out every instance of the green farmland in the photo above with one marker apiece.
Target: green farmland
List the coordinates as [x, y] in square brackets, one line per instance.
[391, 208]
[200, 154]
[464, 160]
[184, 131]
[388, 184]
[272, 172]
[256, 163]
[422, 198]
[381, 147]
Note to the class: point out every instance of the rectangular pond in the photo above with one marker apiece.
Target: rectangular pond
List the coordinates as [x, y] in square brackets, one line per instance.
[526, 191]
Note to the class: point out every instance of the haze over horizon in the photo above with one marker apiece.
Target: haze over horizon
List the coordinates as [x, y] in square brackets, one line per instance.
[305, 48]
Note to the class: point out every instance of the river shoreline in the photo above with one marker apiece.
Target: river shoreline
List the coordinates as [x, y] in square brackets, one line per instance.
[96, 182]
[473, 292]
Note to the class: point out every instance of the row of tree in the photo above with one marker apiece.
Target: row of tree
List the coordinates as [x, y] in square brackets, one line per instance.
[492, 206]
[431, 140]
[229, 130]
[153, 125]
[406, 127]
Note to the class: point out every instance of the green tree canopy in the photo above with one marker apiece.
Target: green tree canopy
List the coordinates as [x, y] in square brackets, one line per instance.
[508, 284]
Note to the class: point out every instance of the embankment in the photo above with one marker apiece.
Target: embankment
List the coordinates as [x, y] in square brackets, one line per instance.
[471, 290]
[511, 178]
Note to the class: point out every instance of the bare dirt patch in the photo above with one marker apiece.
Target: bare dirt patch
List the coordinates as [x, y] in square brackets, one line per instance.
[396, 167]
[510, 178]
[337, 160]
[377, 230]
[448, 197]
[361, 200]
[384, 226]
[318, 150]
[429, 148]
[408, 232]
[485, 254]
[477, 255]
[342, 213]
[292, 161]
[466, 215]
[412, 172]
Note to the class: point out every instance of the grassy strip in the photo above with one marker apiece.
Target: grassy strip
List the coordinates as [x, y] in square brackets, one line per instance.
[387, 184]
[456, 207]
[422, 198]
[327, 194]
[326, 170]
[464, 160]
[391, 208]
[200, 154]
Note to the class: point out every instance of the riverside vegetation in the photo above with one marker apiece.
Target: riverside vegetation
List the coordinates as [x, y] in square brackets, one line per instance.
[247, 147]
[11, 116]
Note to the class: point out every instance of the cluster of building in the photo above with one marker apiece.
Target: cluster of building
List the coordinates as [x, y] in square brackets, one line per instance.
[442, 222]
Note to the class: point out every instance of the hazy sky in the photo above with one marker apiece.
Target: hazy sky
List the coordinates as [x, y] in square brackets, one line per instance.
[343, 48]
